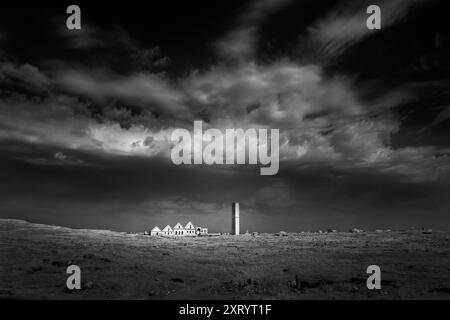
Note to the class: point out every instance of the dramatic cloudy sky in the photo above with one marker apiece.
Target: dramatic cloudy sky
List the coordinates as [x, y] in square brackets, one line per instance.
[86, 116]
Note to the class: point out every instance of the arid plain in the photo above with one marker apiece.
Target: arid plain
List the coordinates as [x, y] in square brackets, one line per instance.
[118, 265]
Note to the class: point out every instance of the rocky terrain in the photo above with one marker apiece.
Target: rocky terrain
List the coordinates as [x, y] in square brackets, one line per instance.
[115, 265]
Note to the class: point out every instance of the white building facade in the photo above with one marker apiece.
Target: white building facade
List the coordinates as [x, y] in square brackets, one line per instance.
[167, 231]
[156, 232]
[189, 230]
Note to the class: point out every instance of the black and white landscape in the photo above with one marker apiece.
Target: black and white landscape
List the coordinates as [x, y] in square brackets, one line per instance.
[86, 167]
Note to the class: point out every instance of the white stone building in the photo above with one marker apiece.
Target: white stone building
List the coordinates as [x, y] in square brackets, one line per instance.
[188, 230]
[156, 231]
[167, 231]
[201, 231]
[178, 230]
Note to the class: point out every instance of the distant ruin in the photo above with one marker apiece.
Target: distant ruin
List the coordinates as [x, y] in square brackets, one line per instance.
[187, 231]
[190, 230]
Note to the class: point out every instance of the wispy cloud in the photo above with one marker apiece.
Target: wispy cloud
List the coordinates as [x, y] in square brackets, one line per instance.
[345, 25]
[146, 90]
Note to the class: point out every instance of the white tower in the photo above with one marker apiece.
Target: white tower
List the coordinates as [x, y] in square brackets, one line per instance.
[235, 217]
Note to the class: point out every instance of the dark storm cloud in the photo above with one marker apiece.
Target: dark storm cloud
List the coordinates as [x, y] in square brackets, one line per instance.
[27, 76]
[130, 193]
[240, 43]
[112, 43]
[85, 137]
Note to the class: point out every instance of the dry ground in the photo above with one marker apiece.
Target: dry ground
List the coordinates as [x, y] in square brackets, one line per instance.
[114, 265]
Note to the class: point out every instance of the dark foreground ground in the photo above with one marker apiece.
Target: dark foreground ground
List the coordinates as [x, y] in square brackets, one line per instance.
[34, 258]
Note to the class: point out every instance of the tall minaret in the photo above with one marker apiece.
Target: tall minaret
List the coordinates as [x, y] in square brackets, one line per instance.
[235, 216]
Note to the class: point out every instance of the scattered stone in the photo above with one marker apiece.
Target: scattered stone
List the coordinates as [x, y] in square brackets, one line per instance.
[255, 234]
[441, 289]
[331, 231]
[291, 284]
[34, 269]
[93, 256]
[67, 290]
[356, 230]
[295, 284]
[390, 283]
[428, 231]
[315, 284]
[378, 230]
[282, 233]
[229, 286]
[357, 280]
[88, 285]
[320, 231]
[354, 289]
[5, 294]
[302, 285]
[298, 284]
[58, 264]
